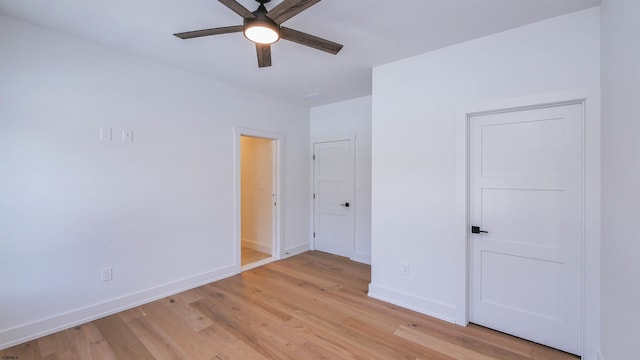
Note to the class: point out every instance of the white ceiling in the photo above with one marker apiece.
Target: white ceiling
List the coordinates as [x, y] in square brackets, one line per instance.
[373, 32]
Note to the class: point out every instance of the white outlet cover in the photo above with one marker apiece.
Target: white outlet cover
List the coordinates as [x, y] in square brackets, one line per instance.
[405, 269]
[106, 274]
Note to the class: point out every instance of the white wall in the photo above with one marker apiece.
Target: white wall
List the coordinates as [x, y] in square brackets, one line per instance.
[414, 144]
[159, 210]
[348, 118]
[620, 179]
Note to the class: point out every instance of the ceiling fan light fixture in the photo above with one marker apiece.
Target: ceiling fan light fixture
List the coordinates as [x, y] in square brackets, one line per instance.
[261, 32]
[262, 27]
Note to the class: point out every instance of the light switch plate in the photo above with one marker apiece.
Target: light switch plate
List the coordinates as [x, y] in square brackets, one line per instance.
[105, 134]
[127, 136]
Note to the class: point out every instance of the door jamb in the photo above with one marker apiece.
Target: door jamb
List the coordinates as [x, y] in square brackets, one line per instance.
[276, 250]
[590, 101]
[352, 141]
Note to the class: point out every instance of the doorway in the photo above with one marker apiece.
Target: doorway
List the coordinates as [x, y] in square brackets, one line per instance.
[258, 179]
[526, 196]
[333, 196]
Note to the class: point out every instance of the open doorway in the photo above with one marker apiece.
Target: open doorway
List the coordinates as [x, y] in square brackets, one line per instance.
[257, 198]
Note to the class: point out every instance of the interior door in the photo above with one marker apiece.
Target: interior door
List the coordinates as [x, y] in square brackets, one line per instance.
[526, 196]
[333, 173]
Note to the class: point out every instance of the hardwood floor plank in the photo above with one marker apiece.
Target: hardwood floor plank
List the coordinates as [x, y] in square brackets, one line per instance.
[55, 343]
[228, 345]
[500, 340]
[90, 343]
[187, 313]
[131, 314]
[432, 342]
[311, 306]
[250, 255]
[246, 330]
[323, 314]
[155, 340]
[29, 350]
[189, 296]
[541, 352]
[173, 330]
[262, 327]
[123, 342]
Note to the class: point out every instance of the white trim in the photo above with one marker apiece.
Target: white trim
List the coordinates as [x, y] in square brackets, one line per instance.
[258, 263]
[352, 143]
[425, 306]
[361, 258]
[278, 138]
[23, 333]
[299, 249]
[590, 99]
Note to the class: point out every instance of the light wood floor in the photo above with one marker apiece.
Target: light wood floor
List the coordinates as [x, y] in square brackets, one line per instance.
[311, 306]
[250, 255]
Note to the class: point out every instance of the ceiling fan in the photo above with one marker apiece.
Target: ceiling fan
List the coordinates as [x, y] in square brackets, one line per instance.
[264, 28]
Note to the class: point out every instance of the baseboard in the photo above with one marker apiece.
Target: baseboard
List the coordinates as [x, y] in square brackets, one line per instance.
[299, 249]
[428, 307]
[34, 330]
[257, 246]
[361, 258]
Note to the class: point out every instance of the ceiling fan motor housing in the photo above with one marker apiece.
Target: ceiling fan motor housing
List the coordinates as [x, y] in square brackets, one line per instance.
[261, 20]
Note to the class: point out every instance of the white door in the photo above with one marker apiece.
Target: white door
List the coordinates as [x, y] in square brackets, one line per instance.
[333, 197]
[526, 193]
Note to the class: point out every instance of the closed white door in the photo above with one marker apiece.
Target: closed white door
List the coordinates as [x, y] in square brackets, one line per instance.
[526, 192]
[333, 197]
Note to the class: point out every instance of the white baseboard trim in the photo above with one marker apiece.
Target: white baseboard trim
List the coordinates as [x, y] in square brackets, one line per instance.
[299, 249]
[257, 246]
[23, 333]
[428, 307]
[256, 264]
[361, 258]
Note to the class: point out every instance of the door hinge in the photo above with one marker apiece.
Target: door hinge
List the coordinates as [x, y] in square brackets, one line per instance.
[314, 234]
[314, 156]
[314, 195]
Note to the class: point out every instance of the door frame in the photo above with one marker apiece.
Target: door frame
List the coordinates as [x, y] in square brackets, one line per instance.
[277, 166]
[590, 101]
[324, 139]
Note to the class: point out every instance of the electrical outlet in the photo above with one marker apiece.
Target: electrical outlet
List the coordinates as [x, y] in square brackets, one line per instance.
[106, 274]
[405, 269]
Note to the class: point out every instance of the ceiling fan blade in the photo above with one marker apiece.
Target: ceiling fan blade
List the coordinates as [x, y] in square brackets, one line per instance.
[264, 55]
[310, 40]
[237, 8]
[288, 9]
[207, 32]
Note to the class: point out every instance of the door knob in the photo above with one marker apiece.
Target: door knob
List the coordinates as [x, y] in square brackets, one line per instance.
[476, 230]
[345, 204]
